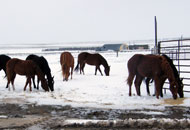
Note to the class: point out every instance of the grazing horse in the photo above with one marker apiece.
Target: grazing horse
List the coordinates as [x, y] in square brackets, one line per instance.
[43, 64]
[3, 61]
[179, 80]
[154, 67]
[27, 68]
[67, 62]
[92, 59]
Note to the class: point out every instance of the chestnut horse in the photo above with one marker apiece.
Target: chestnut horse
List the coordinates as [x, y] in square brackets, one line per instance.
[179, 80]
[27, 68]
[154, 67]
[67, 63]
[43, 64]
[92, 59]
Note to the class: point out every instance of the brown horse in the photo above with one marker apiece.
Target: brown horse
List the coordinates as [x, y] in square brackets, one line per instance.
[67, 62]
[27, 68]
[92, 59]
[154, 67]
[179, 80]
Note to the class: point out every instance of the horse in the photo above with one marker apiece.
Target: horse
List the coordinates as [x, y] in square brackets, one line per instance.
[179, 80]
[67, 62]
[43, 64]
[92, 59]
[3, 61]
[24, 67]
[154, 67]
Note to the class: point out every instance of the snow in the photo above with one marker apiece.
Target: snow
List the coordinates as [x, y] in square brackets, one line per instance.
[85, 90]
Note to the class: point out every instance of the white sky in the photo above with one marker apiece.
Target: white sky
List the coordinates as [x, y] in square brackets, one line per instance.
[34, 21]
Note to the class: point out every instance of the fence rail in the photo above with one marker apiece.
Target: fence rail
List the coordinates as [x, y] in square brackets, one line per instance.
[179, 52]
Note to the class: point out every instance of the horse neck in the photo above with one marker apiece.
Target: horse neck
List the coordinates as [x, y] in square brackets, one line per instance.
[49, 76]
[104, 62]
[168, 70]
[40, 74]
[176, 74]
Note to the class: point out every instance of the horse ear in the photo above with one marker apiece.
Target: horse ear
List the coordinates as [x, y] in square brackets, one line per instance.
[181, 79]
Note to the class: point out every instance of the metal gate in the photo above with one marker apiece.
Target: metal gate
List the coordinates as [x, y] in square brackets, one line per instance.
[179, 52]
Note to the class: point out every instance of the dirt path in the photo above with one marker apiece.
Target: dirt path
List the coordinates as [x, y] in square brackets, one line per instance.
[31, 116]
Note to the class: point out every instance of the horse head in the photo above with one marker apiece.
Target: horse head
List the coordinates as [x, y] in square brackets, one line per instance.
[107, 70]
[51, 83]
[180, 88]
[174, 89]
[44, 85]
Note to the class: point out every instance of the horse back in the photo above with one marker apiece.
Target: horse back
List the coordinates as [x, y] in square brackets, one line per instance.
[67, 59]
[93, 59]
[21, 67]
[82, 56]
[3, 61]
[145, 65]
[41, 62]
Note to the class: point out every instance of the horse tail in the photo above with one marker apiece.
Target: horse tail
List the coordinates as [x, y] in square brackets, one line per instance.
[63, 67]
[77, 67]
[10, 68]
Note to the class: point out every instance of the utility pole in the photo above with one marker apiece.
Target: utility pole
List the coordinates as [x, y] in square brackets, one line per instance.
[156, 46]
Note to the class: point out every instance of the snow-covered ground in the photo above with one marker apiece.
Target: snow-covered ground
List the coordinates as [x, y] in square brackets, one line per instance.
[85, 90]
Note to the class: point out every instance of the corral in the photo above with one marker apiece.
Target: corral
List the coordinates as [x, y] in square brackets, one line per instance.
[179, 51]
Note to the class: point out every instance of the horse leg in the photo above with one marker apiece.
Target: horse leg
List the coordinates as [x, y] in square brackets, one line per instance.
[38, 81]
[33, 79]
[157, 87]
[82, 67]
[130, 81]
[138, 81]
[98, 67]
[161, 84]
[8, 82]
[30, 84]
[71, 71]
[27, 81]
[12, 80]
[147, 85]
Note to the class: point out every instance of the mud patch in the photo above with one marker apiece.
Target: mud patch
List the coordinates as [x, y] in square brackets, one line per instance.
[14, 100]
[171, 101]
[24, 116]
[21, 122]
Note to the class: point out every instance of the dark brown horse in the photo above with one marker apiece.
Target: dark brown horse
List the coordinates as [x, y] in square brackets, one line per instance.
[3, 61]
[43, 64]
[154, 67]
[179, 80]
[27, 68]
[67, 63]
[92, 59]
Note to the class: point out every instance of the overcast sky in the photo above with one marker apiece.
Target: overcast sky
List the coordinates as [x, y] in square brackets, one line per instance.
[39, 21]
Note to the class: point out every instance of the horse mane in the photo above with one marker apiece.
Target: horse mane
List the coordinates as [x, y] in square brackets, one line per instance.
[176, 74]
[167, 70]
[103, 61]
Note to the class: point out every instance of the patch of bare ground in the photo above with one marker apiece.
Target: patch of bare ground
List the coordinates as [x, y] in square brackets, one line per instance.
[31, 116]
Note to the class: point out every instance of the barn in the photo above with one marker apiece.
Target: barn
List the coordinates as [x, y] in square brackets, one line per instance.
[113, 47]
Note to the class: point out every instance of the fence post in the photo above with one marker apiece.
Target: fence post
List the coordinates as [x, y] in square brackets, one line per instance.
[158, 48]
